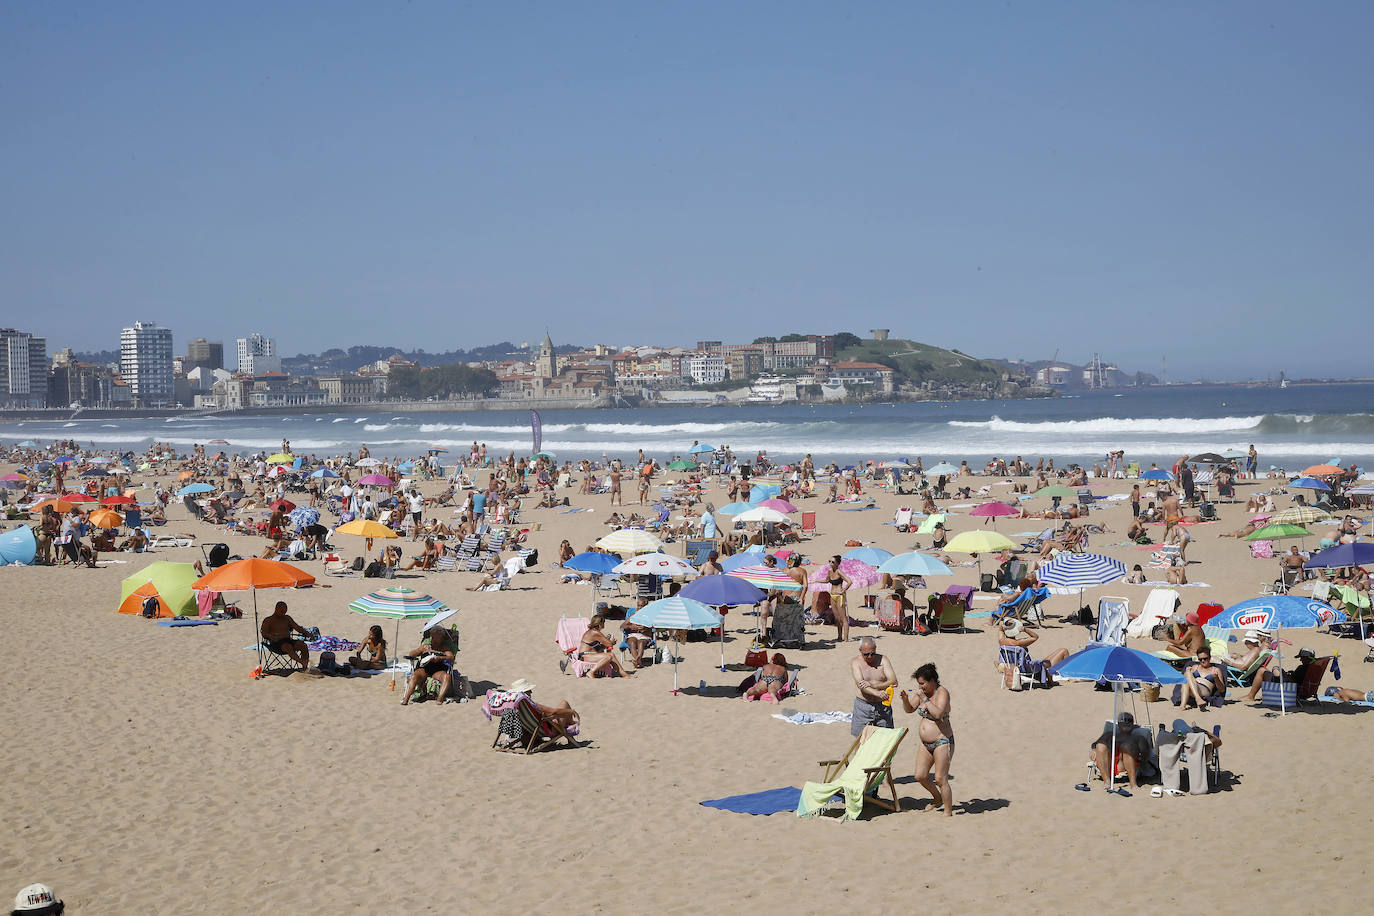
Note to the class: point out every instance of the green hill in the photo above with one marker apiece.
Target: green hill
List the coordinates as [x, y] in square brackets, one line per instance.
[918, 362]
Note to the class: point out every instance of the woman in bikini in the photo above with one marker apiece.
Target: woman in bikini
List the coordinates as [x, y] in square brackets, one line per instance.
[838, 582]
[771, 681]
[936, 735]
[372, 653]
[596, 647]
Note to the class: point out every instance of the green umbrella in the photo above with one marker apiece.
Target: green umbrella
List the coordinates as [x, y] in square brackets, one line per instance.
[1056, 490]
[682, 464]
[1278, 533]
[173, 584]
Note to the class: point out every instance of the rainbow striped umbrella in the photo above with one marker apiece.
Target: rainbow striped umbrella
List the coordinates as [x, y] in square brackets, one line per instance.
[400, 603]
[766, 577]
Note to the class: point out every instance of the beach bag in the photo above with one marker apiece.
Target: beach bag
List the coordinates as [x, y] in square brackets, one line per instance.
[1262, 550]
[1149, 693]
[755, 658]
[1086, 618]
[532, 559]
[373, 570]
[358, 564]
[988, 582]
[327, 663]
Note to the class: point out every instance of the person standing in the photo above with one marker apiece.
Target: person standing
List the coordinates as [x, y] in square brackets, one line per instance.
[1135, 501]
[873, 679]
[615, 486]
[936, 736]
[1251, 462]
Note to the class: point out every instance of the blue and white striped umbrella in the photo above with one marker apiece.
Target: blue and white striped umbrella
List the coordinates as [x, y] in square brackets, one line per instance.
[304, 515]
[1081, 570]
[679, 613]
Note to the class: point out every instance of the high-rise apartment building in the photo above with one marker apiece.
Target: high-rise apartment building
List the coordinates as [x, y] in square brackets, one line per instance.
[204, 354]
[145, 363]
[258, 355]
[23, 369]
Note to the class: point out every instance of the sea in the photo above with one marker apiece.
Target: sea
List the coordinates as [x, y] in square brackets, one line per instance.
[1290, 427]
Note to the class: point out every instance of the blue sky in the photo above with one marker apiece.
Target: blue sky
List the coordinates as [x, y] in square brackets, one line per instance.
[1135, 179]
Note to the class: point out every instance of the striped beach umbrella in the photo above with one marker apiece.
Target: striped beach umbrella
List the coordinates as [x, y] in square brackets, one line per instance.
[630, 540]
[1299, 515]
[766, 577]
[400, 603]
[679, 613]
[1081, 570]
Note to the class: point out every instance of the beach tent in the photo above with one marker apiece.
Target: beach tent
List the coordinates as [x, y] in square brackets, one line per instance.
[18, 546]
[170, 583]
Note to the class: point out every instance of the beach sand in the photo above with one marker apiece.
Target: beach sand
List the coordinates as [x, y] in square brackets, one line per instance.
[147, 772]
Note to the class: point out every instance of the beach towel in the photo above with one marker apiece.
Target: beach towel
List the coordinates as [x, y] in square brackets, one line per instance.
[205, 601]
[814, 718]
[333, 644]
[187, 622]
[769, 801]
[853, 781]
[858, 509]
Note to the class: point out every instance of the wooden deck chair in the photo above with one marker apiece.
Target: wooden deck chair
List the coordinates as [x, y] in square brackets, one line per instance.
[859, 776]
[537, 733]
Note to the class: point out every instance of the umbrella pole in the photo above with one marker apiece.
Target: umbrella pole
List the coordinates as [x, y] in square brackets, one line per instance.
[722, 643]
[1110, 775]
[257, 630]
[676, 646]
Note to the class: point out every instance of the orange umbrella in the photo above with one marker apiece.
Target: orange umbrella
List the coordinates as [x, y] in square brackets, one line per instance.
[1322, 470]
[58, 505]
[106, 518]
[250, 575]
[134, 603]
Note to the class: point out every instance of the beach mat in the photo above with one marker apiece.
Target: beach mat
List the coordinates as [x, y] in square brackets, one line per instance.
[187, 622]
[770, 801]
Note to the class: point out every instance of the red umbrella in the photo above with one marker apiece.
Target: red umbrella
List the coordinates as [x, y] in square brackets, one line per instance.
[118, 501]
[284, 505]
[79, 498]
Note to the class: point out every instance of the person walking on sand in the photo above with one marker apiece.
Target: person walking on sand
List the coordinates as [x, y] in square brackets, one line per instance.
[616, 498]
[935, 734]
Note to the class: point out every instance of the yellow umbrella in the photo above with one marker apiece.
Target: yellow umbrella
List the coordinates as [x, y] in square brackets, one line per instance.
[365, 528]
[978, 542]
[281, 458]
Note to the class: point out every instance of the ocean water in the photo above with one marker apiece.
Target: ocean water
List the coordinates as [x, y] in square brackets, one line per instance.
[1291, 427]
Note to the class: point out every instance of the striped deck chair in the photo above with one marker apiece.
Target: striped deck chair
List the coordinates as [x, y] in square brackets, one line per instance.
[468, 548]
[537, 732]
[445, 563]
[498, 540]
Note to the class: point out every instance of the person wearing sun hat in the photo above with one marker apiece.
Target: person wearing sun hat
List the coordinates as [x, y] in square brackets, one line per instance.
[1015, 633]
[37, 899]
[1253, 646]
[1190, 637]
[563, 712]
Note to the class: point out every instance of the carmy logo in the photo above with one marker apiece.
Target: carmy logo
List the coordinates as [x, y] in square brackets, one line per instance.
[1256, 618]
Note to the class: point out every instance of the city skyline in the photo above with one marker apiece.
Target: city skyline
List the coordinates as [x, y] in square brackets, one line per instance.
[1147, 182]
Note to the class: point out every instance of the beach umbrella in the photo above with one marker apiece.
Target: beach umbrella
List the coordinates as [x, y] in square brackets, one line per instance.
[862, 574]
[1209, 458]
[193, 488]
[682, 464]
[994, 510]
[1057, 490]
[18, 546]
[630, 540]
[375, 480]
[303, 516]
[761, 491]
[718, 590]
[284, 505]
[250, 575]
[1300, 515]
[1322, 470]
[277, 471]
[766, 577]
[781, 505]
[1359, 553]
[105, 518]
[280, 458]
[978, 542]
[1278, 612]
[28, 443]
[218, 442]
[914, 564]
[78, 499]
[748, 557]
[698, 449]
[120, 500]
[43, 467]
[368, 462]
[324, 474]
[679, 613]
[65, 459]
[1309, 483]
[544, 454]
[734, 508]
[592, 562]
[95, 472]
[899, 464]
[1156, 474]
[1272, 532]
[1081, 571]
[366, 528]
[873, 556]
[943, 469]
[170, 583]
[1119, 666]
[15, 478]
[400, 603]
[61, 506]
[655, 564]
[761, 514]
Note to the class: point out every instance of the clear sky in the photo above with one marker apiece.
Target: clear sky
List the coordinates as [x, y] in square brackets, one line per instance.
[1138, 179]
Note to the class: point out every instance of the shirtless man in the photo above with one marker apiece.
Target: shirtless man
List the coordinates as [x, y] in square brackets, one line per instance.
[276, 633]
[1190, 639]
[1173, 514]
[615, 486]
[712, 565]
[873, 675]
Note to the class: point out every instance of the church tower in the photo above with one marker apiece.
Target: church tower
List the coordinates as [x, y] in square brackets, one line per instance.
[547, 365]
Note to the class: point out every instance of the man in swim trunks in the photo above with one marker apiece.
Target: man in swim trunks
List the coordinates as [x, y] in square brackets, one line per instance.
[873, 675]
[1128, 749]
[276, 633]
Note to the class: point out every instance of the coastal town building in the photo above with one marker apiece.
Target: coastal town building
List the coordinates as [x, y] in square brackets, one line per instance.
[145, 363]
[258, 355]
[76, 384]
[205, 354]
[871, 377]
[23, 369]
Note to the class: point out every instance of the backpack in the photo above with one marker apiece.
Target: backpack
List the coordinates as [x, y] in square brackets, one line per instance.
[358, 564]
[373, 570]
[1086, 617]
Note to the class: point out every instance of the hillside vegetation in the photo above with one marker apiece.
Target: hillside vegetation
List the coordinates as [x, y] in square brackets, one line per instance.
[918, 362]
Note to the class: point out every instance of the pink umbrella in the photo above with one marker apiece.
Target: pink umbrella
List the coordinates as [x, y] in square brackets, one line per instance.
[376, 480]
[1260, 518]
[859, 572]
[994, 510]
[781, 505]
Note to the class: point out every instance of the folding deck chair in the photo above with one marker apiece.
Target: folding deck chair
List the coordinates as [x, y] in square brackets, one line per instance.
[1032, 672]
[808, 524]
[568, 636]
[859, 776]
[537, 733]
[1113, 616]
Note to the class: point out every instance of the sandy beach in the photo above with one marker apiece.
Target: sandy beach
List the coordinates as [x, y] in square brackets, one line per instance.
[149, 772]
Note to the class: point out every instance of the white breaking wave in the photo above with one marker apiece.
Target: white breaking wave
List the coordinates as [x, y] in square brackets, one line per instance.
[1177, 425]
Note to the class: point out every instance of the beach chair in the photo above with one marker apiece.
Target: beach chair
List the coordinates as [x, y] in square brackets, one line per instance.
[445, 563]
[1032, 672]
[1282, 696]
[1027, 607]
[1237, 677]
[1113, 615]
[468, 548]
[1160, 605]
[808, 524]
[1213, 753]
[537, 732]
[335, 565]
[889, 614]
[901, 519]
[171, 540]
[1311, 684]
[697, 550]
[947, 613]
[859, 776]
[568, 636]
[495, 543]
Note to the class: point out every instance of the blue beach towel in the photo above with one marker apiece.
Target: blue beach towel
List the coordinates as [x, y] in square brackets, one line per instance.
[770, 801]
[187, 622]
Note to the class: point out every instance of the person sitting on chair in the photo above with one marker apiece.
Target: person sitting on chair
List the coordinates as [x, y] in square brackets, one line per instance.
[1203, 680]
[1296, 676]
[372, 653]
[772, 680]
[427, 557]
[1128, 749]
[435, 656]
[1190, 639]
[276, 633]
[1015, 633]
[637, 637]
[596, 647]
